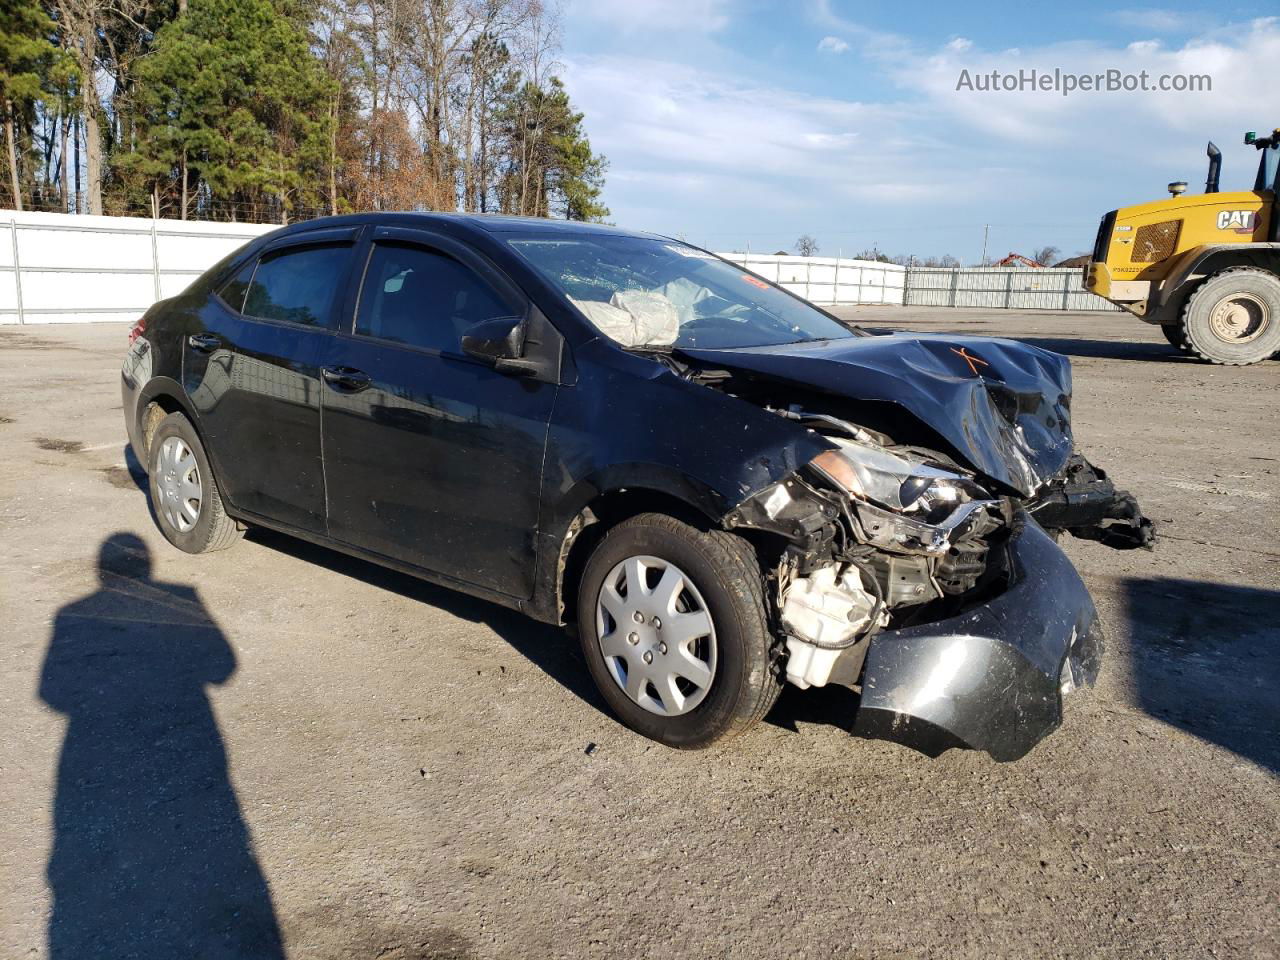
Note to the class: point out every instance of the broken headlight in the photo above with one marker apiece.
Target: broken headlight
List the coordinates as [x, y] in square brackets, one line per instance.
[895, 482]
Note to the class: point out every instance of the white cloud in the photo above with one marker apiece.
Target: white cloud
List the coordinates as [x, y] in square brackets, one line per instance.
[632, 16]
[832, 45]
[689, 146]
[1229, 57]
[663, 113]
[872, 42]
[720, 153]
[1153, 20]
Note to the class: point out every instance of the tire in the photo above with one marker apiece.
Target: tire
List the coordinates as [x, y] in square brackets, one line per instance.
[1234, 317]
[1174, 333]
[721, 578]
[173, 479]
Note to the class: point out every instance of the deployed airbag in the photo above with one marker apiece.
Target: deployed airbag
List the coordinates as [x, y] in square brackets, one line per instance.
[634, 317]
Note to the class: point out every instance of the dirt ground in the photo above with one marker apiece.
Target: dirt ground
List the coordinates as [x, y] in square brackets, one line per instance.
[351, 763]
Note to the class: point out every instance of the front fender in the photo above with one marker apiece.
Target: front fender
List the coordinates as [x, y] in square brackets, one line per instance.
[1206, 260]
[557, 530]
[631, 423]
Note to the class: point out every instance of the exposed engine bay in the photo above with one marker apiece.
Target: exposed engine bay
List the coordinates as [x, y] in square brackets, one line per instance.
[882, 534]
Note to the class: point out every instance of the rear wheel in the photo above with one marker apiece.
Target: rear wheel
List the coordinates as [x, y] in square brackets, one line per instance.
[184, 493]
[1234, 317]
[673, 627]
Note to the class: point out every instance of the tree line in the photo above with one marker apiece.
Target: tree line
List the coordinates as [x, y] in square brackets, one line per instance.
[807, 246]
[271, 110]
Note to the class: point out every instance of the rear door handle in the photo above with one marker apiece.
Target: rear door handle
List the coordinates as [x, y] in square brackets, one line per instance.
[204, 342]
[345, 378]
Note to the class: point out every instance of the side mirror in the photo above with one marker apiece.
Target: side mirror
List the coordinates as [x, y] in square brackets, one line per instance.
[501, 338]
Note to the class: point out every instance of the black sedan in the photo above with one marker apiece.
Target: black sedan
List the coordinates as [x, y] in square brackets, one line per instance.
[722, 487]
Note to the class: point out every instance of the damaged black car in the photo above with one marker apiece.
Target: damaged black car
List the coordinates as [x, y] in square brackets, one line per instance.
[720, 487]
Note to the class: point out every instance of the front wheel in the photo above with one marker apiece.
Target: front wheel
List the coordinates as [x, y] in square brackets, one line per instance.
[1234, 317]
[673, 627]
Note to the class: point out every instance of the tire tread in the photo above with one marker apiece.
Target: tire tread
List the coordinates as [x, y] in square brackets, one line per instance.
[1189, 344]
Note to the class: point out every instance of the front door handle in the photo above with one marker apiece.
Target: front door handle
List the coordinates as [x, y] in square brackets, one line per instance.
[204, 342]
[345, 378]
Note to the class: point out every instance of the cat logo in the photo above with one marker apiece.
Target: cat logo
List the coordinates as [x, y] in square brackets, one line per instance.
[1241, 221]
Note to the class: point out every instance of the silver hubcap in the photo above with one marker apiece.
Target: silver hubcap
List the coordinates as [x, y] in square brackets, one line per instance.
[656, 634]
[1239, 318]
[178, 481]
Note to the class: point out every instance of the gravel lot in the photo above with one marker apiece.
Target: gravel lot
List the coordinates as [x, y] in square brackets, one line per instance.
[355, 764]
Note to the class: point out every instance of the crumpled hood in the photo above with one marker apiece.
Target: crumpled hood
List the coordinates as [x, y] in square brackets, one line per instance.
[1003, 406]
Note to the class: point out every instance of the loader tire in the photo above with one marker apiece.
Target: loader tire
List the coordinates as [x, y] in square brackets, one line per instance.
[1176, 336]
[1233, 318]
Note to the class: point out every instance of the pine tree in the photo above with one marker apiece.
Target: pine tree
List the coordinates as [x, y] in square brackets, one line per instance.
[262, 109]
[230, 104]
[30, 65]
[550, 166]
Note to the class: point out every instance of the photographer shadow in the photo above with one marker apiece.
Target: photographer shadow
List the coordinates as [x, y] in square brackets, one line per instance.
[151, 856]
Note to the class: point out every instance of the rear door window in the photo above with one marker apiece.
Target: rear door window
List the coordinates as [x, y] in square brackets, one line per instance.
[299, 286]
[424, 299]
[233, 290]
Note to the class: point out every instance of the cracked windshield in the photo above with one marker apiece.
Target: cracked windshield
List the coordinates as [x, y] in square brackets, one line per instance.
[652, 293]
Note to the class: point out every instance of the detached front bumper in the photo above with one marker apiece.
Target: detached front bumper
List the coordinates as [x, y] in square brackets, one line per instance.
[994, 677]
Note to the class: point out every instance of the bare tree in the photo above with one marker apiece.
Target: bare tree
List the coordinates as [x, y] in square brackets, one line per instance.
[535, 51]
[90, 29]
[486, 60]
[81, 23]
[1045, 255]
[430, 104]
[806, 246]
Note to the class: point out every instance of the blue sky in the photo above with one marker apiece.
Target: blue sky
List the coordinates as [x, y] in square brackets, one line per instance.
[739, 123]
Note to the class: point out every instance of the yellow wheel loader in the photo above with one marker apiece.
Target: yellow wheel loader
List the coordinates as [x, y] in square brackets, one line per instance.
[1205, 267]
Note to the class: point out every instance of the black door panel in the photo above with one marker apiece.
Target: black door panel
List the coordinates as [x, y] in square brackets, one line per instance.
[437, 463]
[260, 404]
[256, 381]
[206, 374]
[430, 457]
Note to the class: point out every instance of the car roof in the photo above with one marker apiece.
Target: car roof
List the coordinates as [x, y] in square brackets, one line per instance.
[492, 223]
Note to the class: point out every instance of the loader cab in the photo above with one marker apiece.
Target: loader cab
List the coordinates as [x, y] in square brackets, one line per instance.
[1268, 179]
[1268, 164]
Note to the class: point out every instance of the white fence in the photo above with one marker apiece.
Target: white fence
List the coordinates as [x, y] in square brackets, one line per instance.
[830, 280]
[56, 268]
[1047, 289]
